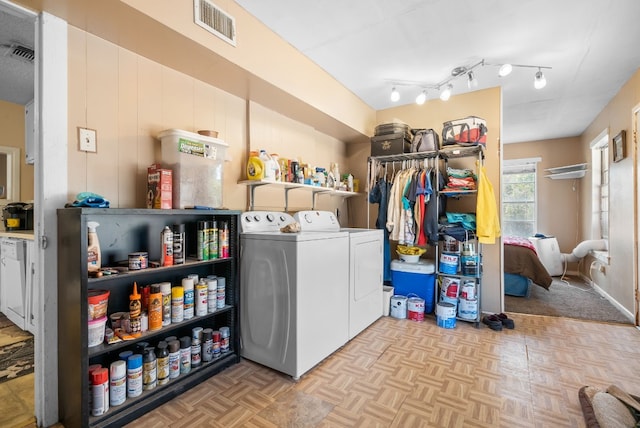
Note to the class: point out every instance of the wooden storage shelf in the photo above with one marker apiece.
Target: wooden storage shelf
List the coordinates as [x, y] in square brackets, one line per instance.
[121, 232]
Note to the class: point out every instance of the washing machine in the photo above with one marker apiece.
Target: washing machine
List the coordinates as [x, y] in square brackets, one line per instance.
[293, 293]
[365, 266]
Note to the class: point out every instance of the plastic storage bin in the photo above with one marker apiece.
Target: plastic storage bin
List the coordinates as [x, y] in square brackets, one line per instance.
[197, 164]
[418, 278]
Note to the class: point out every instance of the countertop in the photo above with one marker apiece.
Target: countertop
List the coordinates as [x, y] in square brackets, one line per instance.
[20, 234]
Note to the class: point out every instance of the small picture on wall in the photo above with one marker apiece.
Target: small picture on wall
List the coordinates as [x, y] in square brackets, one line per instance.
[619, 147]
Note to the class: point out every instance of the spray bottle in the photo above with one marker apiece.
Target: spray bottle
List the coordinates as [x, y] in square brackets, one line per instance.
[94, 257]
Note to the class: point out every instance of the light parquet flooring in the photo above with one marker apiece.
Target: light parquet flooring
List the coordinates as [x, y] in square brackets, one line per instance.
[401, 373]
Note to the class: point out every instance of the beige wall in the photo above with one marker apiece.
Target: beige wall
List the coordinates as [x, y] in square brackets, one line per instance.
[558, 200]
[12, 125]
[432, 114]
[618, 279]
[130, 99]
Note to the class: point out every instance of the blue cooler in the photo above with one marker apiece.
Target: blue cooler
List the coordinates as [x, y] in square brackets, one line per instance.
[417, 278]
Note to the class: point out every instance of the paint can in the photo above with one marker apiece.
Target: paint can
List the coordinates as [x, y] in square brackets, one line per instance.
[138, 260]
[449, 290]
[469, 264]
[468, 290]
[415, 308]
[399, 307]
[468, 309]
[450, 244]
[387, 292]
[449, 263]
[446, 315]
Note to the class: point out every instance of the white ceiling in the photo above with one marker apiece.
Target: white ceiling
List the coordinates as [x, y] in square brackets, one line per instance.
[591, 45]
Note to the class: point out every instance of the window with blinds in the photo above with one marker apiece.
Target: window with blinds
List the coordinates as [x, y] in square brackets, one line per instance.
[519, 197]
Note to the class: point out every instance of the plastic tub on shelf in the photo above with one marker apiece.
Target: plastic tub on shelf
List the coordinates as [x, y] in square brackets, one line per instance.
[197, 164]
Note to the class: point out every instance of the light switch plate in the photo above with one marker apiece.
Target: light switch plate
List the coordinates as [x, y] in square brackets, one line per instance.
[87, 139]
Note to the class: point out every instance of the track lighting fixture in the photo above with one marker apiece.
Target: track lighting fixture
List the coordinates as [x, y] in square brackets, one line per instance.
[540, 81]
[472, 82]
[445, 87]
[446, 92]
[395, 95]
[505, 70]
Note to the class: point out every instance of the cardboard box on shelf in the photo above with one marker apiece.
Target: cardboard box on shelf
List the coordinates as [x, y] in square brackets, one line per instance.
[159, 187]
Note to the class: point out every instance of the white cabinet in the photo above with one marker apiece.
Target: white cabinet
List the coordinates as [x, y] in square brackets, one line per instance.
[16, 281]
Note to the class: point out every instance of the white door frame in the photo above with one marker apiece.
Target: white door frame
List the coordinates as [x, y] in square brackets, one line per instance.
[635, 122]
[50, 194]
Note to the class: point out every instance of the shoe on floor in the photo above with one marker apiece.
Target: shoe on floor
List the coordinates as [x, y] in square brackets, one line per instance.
[493, 322]
[506, 321]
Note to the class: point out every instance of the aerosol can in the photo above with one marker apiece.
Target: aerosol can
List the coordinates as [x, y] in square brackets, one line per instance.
[166, 256]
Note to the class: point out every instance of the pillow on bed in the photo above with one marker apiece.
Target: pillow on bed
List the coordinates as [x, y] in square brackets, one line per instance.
[602, 409]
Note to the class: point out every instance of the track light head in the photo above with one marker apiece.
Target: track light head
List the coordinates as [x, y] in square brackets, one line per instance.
[505, 70]
[446, 92]
[395, 95]
[421, 98]
[540, 81]
[472, 82]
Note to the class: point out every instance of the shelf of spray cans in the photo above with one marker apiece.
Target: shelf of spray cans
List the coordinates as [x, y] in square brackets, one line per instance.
[135, 246]
[127, 385]
[287, 187]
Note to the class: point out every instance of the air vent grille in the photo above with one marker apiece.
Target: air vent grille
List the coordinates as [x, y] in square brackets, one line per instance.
[215, 20]
[20, 52]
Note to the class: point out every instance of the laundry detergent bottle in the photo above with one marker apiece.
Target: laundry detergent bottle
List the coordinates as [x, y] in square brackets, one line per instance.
[270, 166]
[94, 257]
[255, 167]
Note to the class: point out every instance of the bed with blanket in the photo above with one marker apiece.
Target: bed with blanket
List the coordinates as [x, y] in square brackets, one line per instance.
[522, 267]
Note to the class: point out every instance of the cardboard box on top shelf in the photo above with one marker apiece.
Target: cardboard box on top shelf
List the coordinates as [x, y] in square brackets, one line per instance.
[159, 187]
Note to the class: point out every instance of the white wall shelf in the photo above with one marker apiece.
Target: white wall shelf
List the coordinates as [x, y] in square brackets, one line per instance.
[287, 187]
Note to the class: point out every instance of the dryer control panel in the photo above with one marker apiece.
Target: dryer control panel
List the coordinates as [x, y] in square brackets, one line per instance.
[264, 221]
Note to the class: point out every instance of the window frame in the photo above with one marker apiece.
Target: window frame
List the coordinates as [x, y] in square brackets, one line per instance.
[526, 165]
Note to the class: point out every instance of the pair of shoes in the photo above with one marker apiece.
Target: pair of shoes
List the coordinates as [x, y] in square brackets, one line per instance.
[493, 322]
[506, 321]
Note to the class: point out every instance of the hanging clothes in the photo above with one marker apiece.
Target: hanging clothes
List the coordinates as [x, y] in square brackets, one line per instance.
[433, 213]
[380, 194]
[487, 221]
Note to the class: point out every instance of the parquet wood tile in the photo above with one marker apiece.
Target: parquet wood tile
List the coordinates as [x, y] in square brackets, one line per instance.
[402, 373]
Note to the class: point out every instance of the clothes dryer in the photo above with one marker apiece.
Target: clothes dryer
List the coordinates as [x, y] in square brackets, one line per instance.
[365, 266]
[293, 293]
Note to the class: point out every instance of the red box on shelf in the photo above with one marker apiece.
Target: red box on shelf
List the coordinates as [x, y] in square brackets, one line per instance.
[159, 187]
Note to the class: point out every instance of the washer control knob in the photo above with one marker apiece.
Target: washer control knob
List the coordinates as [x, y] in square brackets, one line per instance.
[308, 218]
[270, 217]
[256, 217]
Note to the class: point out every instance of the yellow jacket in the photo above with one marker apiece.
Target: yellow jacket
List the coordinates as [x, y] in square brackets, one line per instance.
[487, 220]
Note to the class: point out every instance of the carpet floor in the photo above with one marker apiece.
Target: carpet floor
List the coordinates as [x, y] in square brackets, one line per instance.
[16, 351]
[571, 298]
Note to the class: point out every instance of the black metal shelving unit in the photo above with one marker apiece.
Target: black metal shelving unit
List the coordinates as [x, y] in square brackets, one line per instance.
[123, 231]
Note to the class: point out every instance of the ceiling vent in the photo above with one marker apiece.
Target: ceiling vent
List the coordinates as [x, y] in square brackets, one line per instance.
[215, 20]
[19, 52]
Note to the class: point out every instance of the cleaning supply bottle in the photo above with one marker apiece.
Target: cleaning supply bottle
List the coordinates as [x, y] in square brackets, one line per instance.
[269, 169]
[255, 167]
[276, 165]
[94, 257]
